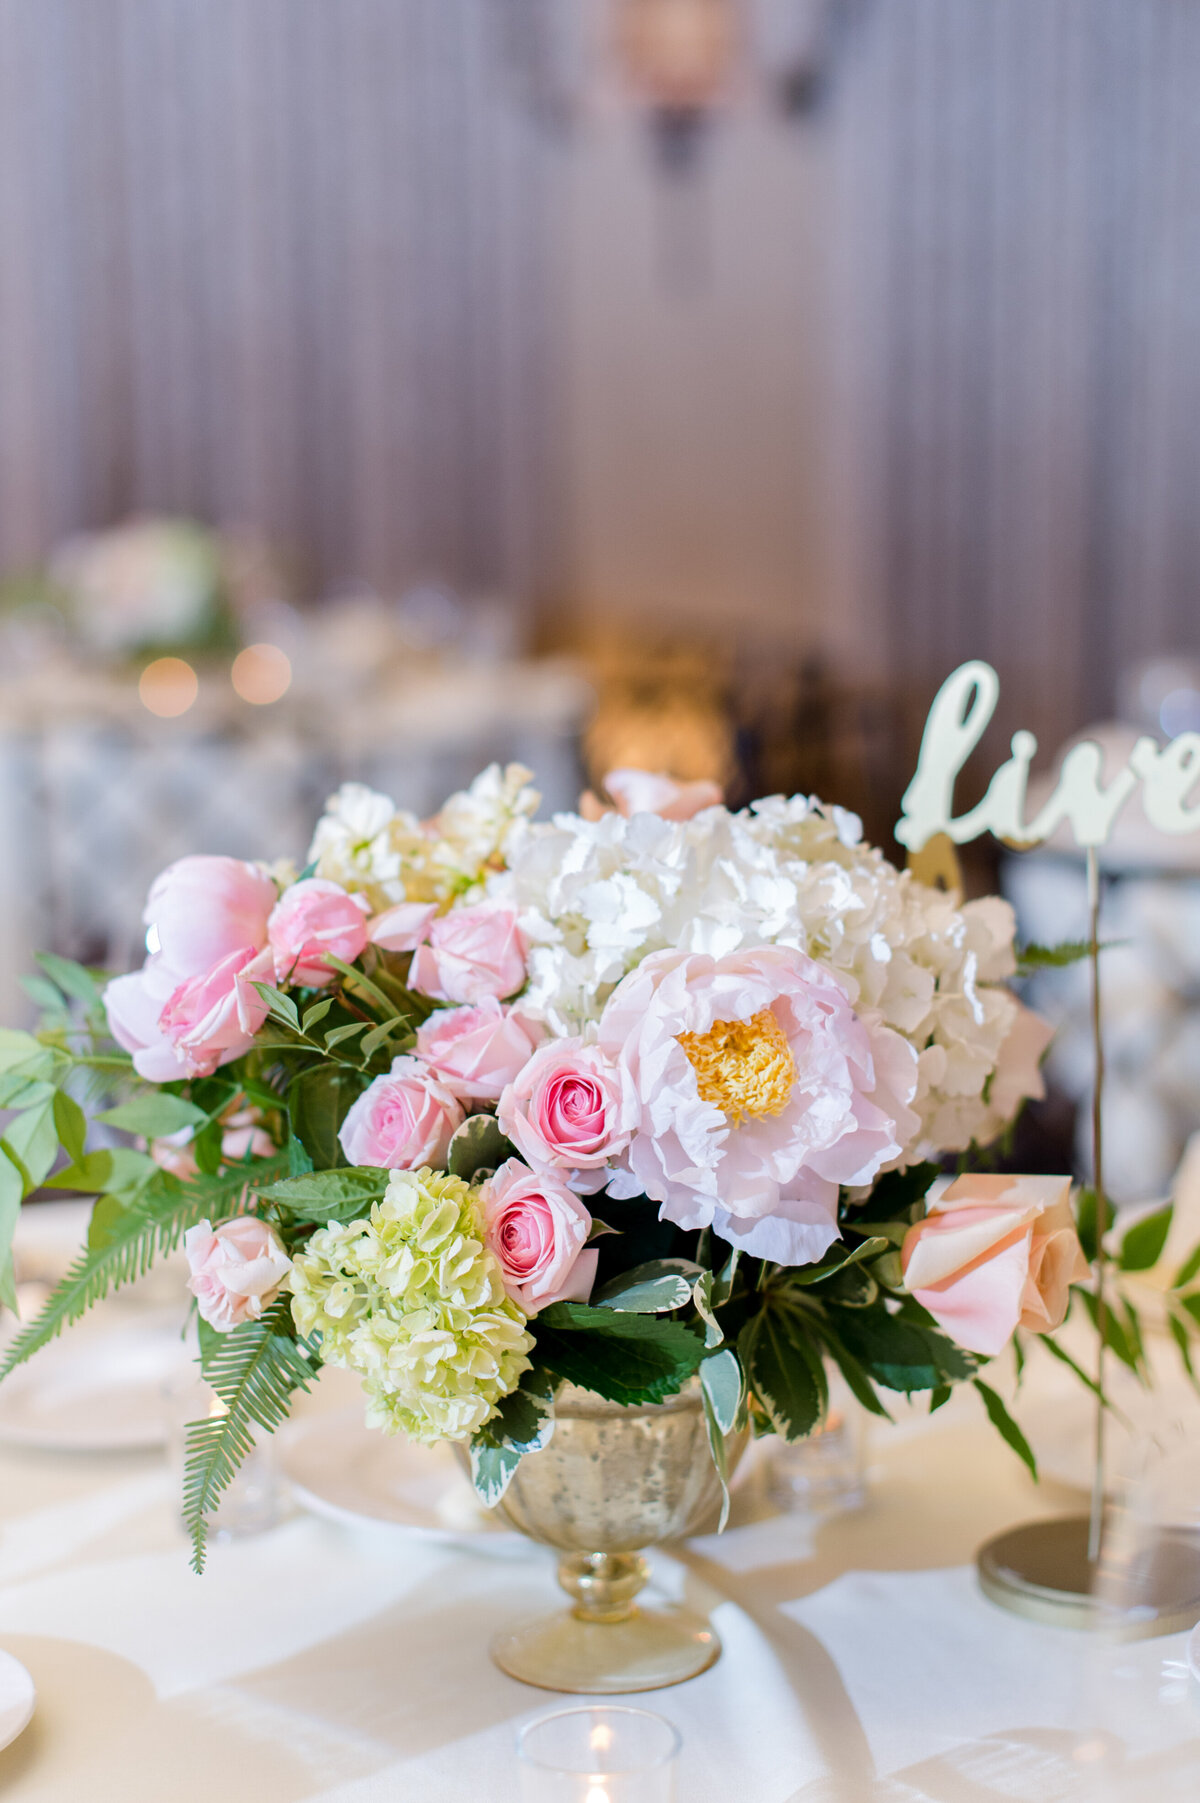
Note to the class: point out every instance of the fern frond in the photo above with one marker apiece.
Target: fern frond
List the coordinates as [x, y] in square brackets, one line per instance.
[255, 1370]
[125, 1242]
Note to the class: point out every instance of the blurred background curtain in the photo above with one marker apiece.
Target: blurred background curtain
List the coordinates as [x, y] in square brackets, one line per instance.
[275, 262]
[928, 388]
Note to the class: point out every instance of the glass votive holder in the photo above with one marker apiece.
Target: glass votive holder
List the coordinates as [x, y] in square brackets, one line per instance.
[599, 1754]
[826, 1472]
[256, 1499]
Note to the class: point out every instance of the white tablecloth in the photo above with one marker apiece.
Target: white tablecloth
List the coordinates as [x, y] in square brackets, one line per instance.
[333, 1665]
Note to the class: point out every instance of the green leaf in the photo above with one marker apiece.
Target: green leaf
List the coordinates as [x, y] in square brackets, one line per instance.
[44, 995]
[1085, 1221]
[714, 1333]
[127, 1240]
[338, 1035]
[379, 1036]
[655, 1288]
[896, 1194]
[856, 1377]
[899, 1352]
[280, 1007]
[11, 1191]
[1116, 1338]
[810, 1274]
[111, 1169]
[255, 1371]
[32, 1141]
[785, 1372]
[1187, 1269]
[329, 1195]
[1179, 1334]
[1064, 1358]
[355, 980]
[17, 1049]
[723, 1388]
[154, 1116]
[1000, 1419]
[314, 1015]
[724, 1383]
[1142, 1246]
[71, 978]
[625, 1358]
[939, 1398]
[20, 1091]
[318, 1102]
[523, 1422]
[1052, 957]
[70, 1124]
[477, 1146]
[722, 1288]
[598, 1229]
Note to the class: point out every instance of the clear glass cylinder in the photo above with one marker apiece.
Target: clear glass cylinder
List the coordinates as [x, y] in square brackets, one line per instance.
[599, 1755]
[257, 1498]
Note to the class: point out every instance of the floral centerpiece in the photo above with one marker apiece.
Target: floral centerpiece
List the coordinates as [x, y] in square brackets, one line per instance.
[480, 1105]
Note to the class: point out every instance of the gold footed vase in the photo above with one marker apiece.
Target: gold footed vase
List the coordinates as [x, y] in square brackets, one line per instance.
[614, 1479]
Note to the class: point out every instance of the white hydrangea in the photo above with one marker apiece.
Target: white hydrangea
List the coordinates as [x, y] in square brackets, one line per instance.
[595, 897]
[476, 827]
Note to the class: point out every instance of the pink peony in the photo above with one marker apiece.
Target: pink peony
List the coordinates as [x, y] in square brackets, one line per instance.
[538, 1230]
[404, 1120]
[134, 1004]
[759, 1090]
[202, 909]
[994, 1254]
[214, 1017]
[311, 920]
[472, 953]
[236, 1269]
[643, 792]
[570, 1107]
[475, 1051]
[402, 928]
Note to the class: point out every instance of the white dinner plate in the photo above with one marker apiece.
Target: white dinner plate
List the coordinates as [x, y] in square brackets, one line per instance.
[98, 1388]
[340, 1468]
[16, 1698]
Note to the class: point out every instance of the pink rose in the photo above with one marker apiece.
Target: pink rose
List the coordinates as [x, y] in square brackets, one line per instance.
[404, 1120]
[213, 1018]
[202, 909]
[642, 792]
[236, 1269]
[994, 1254]
[242, 1138]
[538, 1230]
[570, 1107]
[311, 920]
[402, 928]
[475, 1051]
[471, 953]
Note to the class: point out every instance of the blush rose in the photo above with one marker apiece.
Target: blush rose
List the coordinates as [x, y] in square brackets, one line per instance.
[538, 1230]
[214, 1017]
[570, 1107]
[993, 1254]
[471, 953]
[236, 1269]
[312, 920]
[475, 1051]
[403, 1121]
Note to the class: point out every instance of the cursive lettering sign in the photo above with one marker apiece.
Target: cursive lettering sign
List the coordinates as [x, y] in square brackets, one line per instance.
[957, 721]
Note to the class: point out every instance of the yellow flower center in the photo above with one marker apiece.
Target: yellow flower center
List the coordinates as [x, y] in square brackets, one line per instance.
[745, 1067]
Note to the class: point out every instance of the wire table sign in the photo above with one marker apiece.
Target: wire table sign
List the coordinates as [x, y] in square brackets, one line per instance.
[1047, 1570]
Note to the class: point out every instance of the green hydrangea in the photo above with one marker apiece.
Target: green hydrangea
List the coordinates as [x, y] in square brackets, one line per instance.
[412, 1298]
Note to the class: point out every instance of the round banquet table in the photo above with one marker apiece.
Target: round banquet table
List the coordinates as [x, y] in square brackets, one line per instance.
[323, 1663]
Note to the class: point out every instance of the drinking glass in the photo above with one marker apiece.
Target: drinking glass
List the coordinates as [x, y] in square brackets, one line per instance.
[604, 1754]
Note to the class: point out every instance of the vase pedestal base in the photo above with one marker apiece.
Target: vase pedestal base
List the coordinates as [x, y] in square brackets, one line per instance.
[648, 1650]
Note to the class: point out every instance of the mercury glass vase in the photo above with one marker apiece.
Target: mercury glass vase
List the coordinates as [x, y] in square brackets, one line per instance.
[614, 1479]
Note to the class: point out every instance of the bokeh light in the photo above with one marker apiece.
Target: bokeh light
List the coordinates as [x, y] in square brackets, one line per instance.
[168, 687]
[261, 674]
